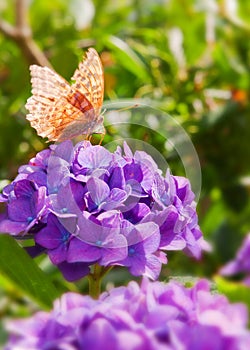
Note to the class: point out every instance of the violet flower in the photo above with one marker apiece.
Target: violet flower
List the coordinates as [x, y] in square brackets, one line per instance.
[26, 207]
[85, 205]
[154, 316]
[241, 263]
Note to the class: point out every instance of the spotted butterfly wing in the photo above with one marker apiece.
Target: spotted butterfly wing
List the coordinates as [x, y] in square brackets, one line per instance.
[60, 111]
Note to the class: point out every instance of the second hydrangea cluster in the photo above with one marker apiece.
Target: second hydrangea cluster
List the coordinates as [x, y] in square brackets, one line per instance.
[240, 265]
[155, 316]
[84, 205]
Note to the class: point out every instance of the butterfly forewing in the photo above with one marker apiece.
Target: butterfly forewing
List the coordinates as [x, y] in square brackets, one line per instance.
[60, 111]
[89, 79]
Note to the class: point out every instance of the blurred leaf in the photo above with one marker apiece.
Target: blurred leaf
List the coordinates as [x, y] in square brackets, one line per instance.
[229, 233]
[236, 292]
[128, 58]
[215, 215]
[19, 268]
[236, 196]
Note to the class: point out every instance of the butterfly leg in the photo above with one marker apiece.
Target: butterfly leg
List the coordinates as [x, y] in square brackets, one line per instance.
[88, 137]
[102, 137]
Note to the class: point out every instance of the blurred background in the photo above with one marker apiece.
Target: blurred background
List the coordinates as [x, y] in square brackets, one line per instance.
[191, 57]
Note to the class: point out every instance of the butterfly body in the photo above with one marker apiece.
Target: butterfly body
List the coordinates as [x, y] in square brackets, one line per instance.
[60, 111]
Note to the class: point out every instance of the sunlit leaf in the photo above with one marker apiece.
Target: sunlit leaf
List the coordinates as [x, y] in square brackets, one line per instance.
[19, 268]
[235, 291]
[128, 58]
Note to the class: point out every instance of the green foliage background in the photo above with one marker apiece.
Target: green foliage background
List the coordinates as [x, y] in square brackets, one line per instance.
[204, 84]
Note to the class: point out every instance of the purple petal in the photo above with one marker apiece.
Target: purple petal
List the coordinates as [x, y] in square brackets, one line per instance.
[133, 172]
[64, 205]
[183, 189]
[39, 177]
[141, 233]
[115, 200]
[53, 235]
[79, 191]
[58, 174]
[83, 252]
[22, 210]
[100, 332]
[193, 247]
[58, 255]
[41, 159]
[152, 267]
[98, 190]
[12, 227]
[111, 218]
[93, 158]
[137, 213]
[175, 243]
[24, 188]
[73, 271]
[117, 179]
[35, 250]
[6, 193]
[114, 250]
[127, 151]
[65, 151]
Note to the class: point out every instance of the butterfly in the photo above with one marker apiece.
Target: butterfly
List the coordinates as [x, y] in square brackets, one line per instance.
[60, 111]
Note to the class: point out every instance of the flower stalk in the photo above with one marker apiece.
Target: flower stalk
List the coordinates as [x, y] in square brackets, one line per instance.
[95, 280]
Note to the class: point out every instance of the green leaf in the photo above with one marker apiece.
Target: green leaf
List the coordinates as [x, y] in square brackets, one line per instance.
[235, 291]
[21, 270]
[128, 58]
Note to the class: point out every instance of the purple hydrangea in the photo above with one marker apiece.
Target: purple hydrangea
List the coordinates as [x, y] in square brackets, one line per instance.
[241, 263]
[85, 205]
[154, 316]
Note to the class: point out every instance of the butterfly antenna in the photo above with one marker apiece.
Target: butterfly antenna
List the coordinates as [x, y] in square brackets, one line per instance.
[127, 108]
[89, 137]
[104, 111]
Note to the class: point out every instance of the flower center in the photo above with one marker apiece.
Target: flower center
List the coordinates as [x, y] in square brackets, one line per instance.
[29, 219]
[131, 251]
[65, 237]
[98, 243]
[54, 190]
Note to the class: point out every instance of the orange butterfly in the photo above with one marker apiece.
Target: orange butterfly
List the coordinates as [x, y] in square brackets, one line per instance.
[60, 111]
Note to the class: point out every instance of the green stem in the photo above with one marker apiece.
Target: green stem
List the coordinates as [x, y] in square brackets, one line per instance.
[95, 280]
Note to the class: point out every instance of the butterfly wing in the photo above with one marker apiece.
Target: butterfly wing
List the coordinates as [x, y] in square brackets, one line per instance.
[60, 111]
[89, 80]
[47, 88]
[86, 95]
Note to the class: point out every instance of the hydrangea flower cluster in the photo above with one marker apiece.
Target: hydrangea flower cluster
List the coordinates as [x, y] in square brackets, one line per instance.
[84, 205]
[241, 263]
[154, 316]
